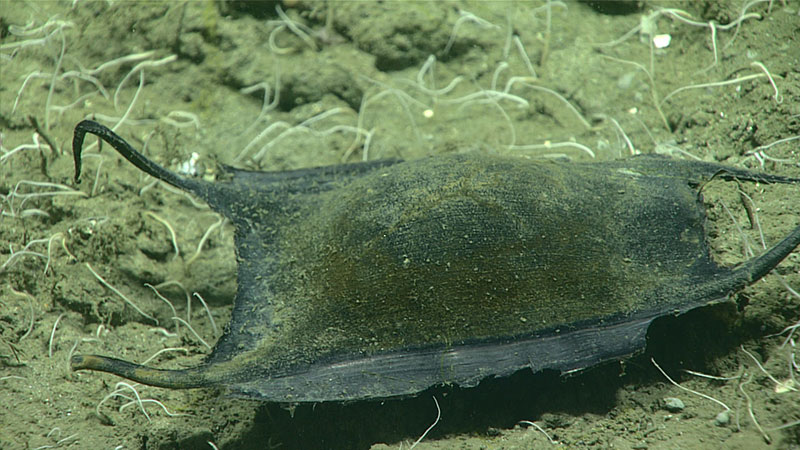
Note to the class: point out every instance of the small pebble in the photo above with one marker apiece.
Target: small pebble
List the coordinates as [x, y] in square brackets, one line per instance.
[673, 404]
[722, 419]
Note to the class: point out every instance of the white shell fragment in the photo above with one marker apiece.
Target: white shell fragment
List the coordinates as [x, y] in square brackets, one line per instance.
[661, 40]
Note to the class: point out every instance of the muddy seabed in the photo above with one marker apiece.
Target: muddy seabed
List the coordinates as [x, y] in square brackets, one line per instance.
[359, 85]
